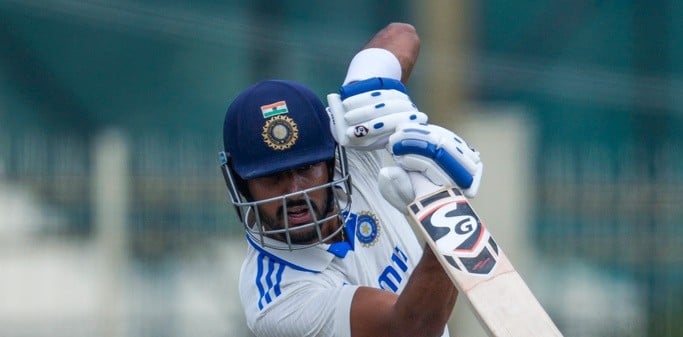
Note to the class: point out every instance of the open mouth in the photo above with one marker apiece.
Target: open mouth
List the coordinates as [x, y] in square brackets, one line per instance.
[298, 215]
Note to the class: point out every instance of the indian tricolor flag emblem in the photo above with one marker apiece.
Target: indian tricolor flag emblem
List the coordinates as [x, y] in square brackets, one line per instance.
[273, 109]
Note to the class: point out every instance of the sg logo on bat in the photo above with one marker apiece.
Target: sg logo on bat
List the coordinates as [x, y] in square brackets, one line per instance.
[457, 232]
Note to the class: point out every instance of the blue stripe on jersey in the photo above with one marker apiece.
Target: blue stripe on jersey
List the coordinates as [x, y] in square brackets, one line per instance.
[277, 259]
[278, 280]
[259, 274]
[269, 280]
[267, 285]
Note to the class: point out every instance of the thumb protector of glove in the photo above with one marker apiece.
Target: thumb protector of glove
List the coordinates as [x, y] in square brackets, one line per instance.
[400, 187]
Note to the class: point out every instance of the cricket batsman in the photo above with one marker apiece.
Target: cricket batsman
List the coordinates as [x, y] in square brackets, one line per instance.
[321, 193]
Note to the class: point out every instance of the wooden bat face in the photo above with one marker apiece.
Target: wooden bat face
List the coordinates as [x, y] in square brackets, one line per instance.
[499, 297]
[457, 232]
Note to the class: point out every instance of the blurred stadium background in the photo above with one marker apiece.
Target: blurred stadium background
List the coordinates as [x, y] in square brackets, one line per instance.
[113, 215]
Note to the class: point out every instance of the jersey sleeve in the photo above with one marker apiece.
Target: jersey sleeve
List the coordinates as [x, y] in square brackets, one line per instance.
[306, 309]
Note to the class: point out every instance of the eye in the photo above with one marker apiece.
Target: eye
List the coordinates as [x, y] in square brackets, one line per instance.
[303, 169]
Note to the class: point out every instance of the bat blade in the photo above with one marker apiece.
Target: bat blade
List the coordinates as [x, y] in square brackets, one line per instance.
[499, 297]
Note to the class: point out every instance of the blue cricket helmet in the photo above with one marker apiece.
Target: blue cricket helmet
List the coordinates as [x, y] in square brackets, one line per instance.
[276, 125]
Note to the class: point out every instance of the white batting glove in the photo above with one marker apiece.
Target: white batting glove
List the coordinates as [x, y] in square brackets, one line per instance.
[400, 187]
[369, 112]
[432, 152]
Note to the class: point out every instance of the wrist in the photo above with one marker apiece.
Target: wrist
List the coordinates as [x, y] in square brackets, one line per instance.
[373, 62]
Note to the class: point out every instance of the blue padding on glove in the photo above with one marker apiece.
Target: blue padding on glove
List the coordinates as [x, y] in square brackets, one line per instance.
[441, 157]
[375, 83]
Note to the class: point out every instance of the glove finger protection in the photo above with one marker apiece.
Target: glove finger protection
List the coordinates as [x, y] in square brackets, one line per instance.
[365, 113]
[375, 133]
[439, 154]
[361, 107]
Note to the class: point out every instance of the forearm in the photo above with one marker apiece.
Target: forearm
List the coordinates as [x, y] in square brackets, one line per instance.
[400, 39]
[392, 52]
[422, 309]
[425, 305]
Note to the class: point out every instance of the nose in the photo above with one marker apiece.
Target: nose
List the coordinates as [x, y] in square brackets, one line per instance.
[293, 181]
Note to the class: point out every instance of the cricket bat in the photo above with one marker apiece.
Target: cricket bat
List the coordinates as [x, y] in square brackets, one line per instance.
[500, 299]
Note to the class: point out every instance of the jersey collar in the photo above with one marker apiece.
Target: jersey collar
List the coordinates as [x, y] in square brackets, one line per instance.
[313, 259]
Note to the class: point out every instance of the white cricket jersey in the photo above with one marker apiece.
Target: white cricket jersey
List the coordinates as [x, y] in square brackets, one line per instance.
[308, 292]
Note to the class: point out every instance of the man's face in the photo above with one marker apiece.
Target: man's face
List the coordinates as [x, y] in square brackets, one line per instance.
[298, 212]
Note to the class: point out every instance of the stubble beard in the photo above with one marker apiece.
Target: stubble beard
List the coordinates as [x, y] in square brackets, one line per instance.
[303, 233]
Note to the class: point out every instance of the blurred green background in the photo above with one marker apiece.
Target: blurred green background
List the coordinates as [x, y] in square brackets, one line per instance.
[114, 219]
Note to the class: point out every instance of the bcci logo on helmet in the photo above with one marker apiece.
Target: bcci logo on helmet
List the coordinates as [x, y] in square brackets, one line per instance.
[280, 132]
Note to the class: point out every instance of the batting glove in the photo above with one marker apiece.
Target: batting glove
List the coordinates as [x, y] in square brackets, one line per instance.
[369, 112]
[428, 157]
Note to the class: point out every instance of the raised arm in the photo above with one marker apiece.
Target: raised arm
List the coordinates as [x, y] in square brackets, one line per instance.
[426, 303]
